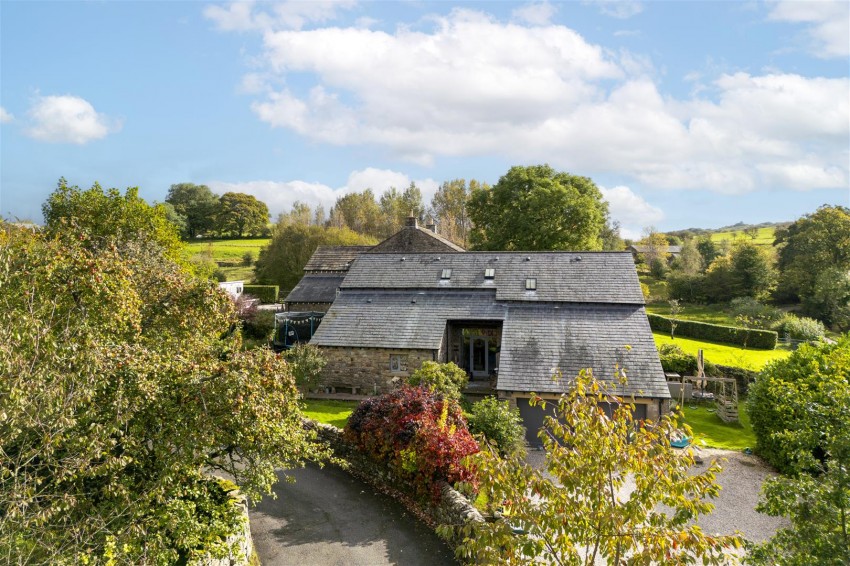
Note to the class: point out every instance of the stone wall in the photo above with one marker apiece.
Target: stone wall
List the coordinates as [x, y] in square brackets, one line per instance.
[452, 509]
[368, 369]
[244, 545]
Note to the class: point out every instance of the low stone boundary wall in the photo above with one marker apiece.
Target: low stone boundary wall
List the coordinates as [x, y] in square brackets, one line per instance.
[243, 553]
[452, 509]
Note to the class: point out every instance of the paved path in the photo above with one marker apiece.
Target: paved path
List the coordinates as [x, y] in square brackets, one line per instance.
[329, 518]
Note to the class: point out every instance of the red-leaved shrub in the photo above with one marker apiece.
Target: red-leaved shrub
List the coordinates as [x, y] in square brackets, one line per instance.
[421, 436]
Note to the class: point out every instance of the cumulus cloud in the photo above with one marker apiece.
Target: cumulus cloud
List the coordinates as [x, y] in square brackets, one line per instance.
[5, 117]
[827, 24]
[68, 119]
[631, 211]
[281, 195]
[473, 85]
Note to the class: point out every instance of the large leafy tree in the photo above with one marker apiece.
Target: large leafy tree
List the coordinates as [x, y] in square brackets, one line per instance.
[800, 410]
[240, 215]
[813, 244]
[282, 261]
[449, 207]
[197, 204]
[106, 216]
[538, 208]
[122, 385]
[582, 515]
[397, 206]
[358, 212]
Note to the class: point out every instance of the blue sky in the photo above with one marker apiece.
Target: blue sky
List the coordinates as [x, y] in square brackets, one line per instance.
[684, 113]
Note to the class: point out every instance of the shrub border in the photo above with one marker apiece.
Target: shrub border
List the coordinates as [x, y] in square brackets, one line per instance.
[267, 294]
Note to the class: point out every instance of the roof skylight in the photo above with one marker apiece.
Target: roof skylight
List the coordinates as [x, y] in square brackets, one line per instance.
[489, 273]
[446, 274]
[531, 284]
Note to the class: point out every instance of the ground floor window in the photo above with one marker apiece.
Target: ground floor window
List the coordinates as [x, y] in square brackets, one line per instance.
[398, 363]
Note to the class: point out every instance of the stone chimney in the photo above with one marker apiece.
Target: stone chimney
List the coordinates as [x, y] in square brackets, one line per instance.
[431, 226]
[412, 222]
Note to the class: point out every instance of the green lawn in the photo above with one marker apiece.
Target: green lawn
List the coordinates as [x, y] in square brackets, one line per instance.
[724, 354]
[227, 250]
[329, 411]
[714, 314]
[708, 428]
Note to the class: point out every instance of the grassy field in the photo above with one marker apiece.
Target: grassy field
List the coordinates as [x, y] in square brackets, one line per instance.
[714, 314]
[763, 238]
[328, 411]
[724, 354]
[227, 250]
[712, 432]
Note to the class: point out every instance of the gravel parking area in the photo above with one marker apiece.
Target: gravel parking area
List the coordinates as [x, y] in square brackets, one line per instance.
[734, 509]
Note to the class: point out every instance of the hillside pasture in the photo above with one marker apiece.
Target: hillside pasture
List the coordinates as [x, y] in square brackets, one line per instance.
[713, 314]
[227, 250]
[764, 237]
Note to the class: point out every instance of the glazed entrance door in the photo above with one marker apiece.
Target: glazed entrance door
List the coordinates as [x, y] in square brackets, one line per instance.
[478, 349]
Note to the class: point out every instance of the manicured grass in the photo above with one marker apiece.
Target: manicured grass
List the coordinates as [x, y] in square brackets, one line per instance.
[764, 238]
[714, 314]
[227, 250]
[329, 411]
[708, 428]
[724, 354]
[241, 273]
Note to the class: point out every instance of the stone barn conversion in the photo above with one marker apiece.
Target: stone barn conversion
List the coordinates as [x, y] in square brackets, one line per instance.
[511, 319]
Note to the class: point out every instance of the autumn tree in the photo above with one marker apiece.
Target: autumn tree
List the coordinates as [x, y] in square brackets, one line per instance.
[122, 385]
[538, 208]
[196, 204]
[282, 261]
[240, 215]
[105, 216]
[583, 515]
[449, 208]
[397, 206]
[358, 212]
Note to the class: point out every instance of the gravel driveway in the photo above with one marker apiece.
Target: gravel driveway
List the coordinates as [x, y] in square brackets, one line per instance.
[734, 509]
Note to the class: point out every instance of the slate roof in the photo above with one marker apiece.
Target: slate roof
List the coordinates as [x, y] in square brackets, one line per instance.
[585, 277]
[334, 258]
[416, 239]
[315, 288]
[391, 319]
[641, 249]
[538, 340]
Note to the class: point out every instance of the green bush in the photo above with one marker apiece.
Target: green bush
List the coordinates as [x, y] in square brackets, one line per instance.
[248, 259]
[307, 363]
[266, 293]
[762, 316]
[447, 379]
[258, 324]
[500, 424]
[745, 337]
[686, 288]
[801, 328]
[674, 359]
[798, 403]
[658, 268]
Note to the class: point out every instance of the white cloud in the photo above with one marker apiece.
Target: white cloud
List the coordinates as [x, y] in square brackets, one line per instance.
[827, 24]
[536, 14]
[281, 195]
[68, 119]
[472, 85]
[620, 9]
[631, 210]
[5, 117]
[242, 16]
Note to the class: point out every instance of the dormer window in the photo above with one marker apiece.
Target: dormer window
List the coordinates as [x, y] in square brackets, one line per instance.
[446, 274]
[489, 273]
[531, 284]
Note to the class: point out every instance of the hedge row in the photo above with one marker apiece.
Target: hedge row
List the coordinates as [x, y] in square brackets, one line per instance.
[266, 293]
[749, 337]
